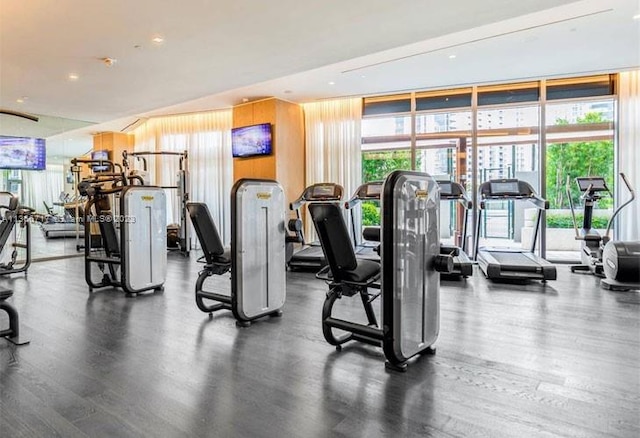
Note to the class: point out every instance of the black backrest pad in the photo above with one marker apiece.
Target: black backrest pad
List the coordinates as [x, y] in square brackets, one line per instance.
[334, 237]
[7, 221]
[6, 225]
[110, 239]
[206, 230]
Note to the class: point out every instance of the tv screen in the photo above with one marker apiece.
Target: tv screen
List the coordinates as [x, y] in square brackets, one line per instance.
[100, 155]
[23, 153]
[250, 141]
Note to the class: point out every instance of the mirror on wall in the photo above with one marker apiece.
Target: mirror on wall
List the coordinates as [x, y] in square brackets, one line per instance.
[35, 169]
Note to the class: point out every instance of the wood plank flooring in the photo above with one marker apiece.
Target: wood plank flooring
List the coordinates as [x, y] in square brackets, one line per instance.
[512, 361]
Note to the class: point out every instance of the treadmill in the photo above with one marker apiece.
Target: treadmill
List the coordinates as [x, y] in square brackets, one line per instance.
[311, 257]
[505, 263]
[462, 264]
[368, 247]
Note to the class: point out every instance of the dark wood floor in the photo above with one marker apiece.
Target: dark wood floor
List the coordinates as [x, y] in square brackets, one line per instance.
[512, 361]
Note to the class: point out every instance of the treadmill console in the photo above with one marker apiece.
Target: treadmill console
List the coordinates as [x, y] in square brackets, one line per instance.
[505, 188]
[446, 189]
[324, 192]
[592, 183]
[373, 190]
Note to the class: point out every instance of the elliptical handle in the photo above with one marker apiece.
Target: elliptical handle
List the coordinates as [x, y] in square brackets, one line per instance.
[628, 184]
[573, 213]
[629, 201]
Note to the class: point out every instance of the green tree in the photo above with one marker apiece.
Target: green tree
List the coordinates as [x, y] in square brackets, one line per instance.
[370, 214]
[376, 165]
[582, 158]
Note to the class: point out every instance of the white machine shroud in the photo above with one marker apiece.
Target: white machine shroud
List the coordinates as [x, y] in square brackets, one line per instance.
[260, 270]
[144, 223]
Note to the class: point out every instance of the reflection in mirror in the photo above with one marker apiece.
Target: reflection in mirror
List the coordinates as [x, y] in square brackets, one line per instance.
[49, 191]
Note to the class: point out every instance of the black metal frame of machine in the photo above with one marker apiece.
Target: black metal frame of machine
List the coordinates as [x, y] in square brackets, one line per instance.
[256, 258]
[132, 237]
[11, 334]
[408, 278]
[15, 219]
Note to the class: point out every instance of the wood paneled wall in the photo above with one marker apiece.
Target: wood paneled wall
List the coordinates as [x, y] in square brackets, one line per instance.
[286, 164]
[114, 142]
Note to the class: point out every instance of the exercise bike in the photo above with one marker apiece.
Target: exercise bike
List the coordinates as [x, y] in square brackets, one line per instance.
[618, 261]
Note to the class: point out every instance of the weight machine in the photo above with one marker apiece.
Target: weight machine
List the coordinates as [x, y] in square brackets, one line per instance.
[183, 243]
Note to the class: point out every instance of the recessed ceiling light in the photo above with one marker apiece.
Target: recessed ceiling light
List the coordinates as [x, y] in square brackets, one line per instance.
[331, 83]
[452, 56]
[20, 100]
[73, 77]
[363, 76]
[636, 17]
[157, 39]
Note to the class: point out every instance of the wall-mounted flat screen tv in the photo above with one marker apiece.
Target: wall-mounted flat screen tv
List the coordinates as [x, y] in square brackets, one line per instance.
[250, 141]
[100, 155]
[25, 153]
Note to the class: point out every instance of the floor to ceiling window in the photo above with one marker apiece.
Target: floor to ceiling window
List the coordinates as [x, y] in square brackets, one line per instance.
[474, 134]
[443, 134]
[386, 144]
[508, 147]
[580, 142]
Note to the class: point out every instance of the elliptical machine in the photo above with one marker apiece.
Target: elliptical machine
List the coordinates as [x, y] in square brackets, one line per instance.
[593, 189]
[618, 261]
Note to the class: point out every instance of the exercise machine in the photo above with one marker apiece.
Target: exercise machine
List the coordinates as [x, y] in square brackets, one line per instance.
[621, 261]
[11, 334]
[256, 258]
[617, 261]
[132, 227]
[507, 263]
[593, 188]
[76, 207]
[455, 193]
[368, 248]
[15, 235]
[407, 278]
[54, 225]
[177, 237]
[310, 257]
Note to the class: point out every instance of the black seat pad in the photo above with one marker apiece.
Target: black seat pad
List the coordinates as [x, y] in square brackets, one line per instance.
[336, 245]
[224, 258]
[363, 272]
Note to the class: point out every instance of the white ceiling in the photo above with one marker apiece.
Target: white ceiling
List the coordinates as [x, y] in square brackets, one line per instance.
[217, 52]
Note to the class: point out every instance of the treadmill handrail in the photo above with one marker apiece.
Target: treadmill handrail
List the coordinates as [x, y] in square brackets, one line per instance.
[358, 197]
[461, 196]
[535, 199]
[295, 205]
[531, 196]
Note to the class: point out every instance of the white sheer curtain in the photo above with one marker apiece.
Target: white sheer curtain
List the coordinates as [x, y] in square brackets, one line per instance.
[628, 227]
[42, 186]
[333, 145]
[207, 139]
